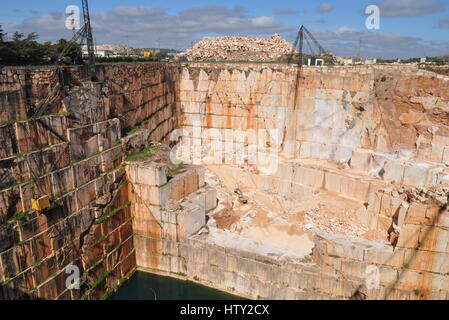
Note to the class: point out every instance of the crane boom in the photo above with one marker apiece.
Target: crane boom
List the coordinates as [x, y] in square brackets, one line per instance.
[89, 40]
[304, 34]
[314, 40]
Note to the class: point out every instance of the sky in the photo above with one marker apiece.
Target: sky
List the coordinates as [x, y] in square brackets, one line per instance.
[408, 28]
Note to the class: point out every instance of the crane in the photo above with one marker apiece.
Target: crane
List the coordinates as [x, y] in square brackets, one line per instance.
[304, 34]
[83, 35]
[89, 39]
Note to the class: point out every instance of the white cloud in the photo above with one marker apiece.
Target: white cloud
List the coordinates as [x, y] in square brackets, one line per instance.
[264, 22]
[144, 26]
[443, 23]
[285, 11]
[409, 8]
[127, 11]
[325, 7]
[345, 41]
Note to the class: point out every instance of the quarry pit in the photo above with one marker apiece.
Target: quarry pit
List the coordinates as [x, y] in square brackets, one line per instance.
[265, 181]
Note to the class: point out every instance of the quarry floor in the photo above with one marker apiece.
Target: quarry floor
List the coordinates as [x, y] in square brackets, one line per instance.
[274, 220]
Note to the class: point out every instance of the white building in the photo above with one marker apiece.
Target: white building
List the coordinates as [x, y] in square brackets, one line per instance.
[101, 53]
[315, 62]
[370, 61]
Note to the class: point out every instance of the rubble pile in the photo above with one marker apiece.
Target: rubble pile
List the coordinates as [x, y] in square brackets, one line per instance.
[438, 193]
[316, 221]
[239, 49]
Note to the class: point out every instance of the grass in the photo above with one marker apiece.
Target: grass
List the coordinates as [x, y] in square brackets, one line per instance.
[113, 289]
[100, 279]
[435, 70]
[173, 172]
[102, 239]
[19, 216]
[145, 153]
[266, 262]
[132, 131]
[18, 155]
[113, 213]
[179, 274]
[13, 186]
[165, 254]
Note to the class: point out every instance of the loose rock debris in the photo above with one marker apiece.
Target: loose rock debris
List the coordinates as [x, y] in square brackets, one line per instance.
[239, 49]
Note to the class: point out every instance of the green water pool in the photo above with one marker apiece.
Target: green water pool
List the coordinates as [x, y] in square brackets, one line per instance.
[145, 286]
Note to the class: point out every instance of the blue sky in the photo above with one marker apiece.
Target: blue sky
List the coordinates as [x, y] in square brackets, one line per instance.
[408, 27]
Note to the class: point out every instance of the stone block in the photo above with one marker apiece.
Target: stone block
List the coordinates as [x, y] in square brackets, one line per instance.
[388, 275]
[427, 261]
[375, 203]
[308, 177]
[416, 214]
[150, 174]
[443, 219]
[191, 182]
[415, 176]
[361, 159]
[201, 172]
[433, 239]
[285, 171]
[211, 199]
[437, 153]
[149, 194]
[384, 255]
[394, 171]
[409, 236]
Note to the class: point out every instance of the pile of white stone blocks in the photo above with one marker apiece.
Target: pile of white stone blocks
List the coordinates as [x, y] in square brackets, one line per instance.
[169, 208]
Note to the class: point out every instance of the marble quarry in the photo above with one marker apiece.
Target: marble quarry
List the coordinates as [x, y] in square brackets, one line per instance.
[262, 180]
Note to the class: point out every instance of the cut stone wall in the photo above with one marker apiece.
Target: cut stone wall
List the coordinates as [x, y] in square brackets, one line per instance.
[388, 121]
[74, 153]
[350, 131]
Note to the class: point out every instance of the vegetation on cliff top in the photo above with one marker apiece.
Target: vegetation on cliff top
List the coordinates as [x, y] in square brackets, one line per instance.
[26, 50]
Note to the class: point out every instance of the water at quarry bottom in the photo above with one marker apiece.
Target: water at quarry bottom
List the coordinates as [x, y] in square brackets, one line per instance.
[145, 286]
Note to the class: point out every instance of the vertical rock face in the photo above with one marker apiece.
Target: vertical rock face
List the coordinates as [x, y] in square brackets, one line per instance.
[376, 118]
[73, 153]
[376, 135]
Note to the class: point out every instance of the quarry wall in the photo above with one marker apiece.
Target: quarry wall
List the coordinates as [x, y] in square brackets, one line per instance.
[381, 118]
[73, 152]
[366, 133]
[387, 126]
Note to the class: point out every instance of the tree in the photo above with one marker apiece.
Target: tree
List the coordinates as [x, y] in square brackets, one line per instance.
[74, 55]
[25, 50]
[17, 36]
[2, 34]
[33, 36]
